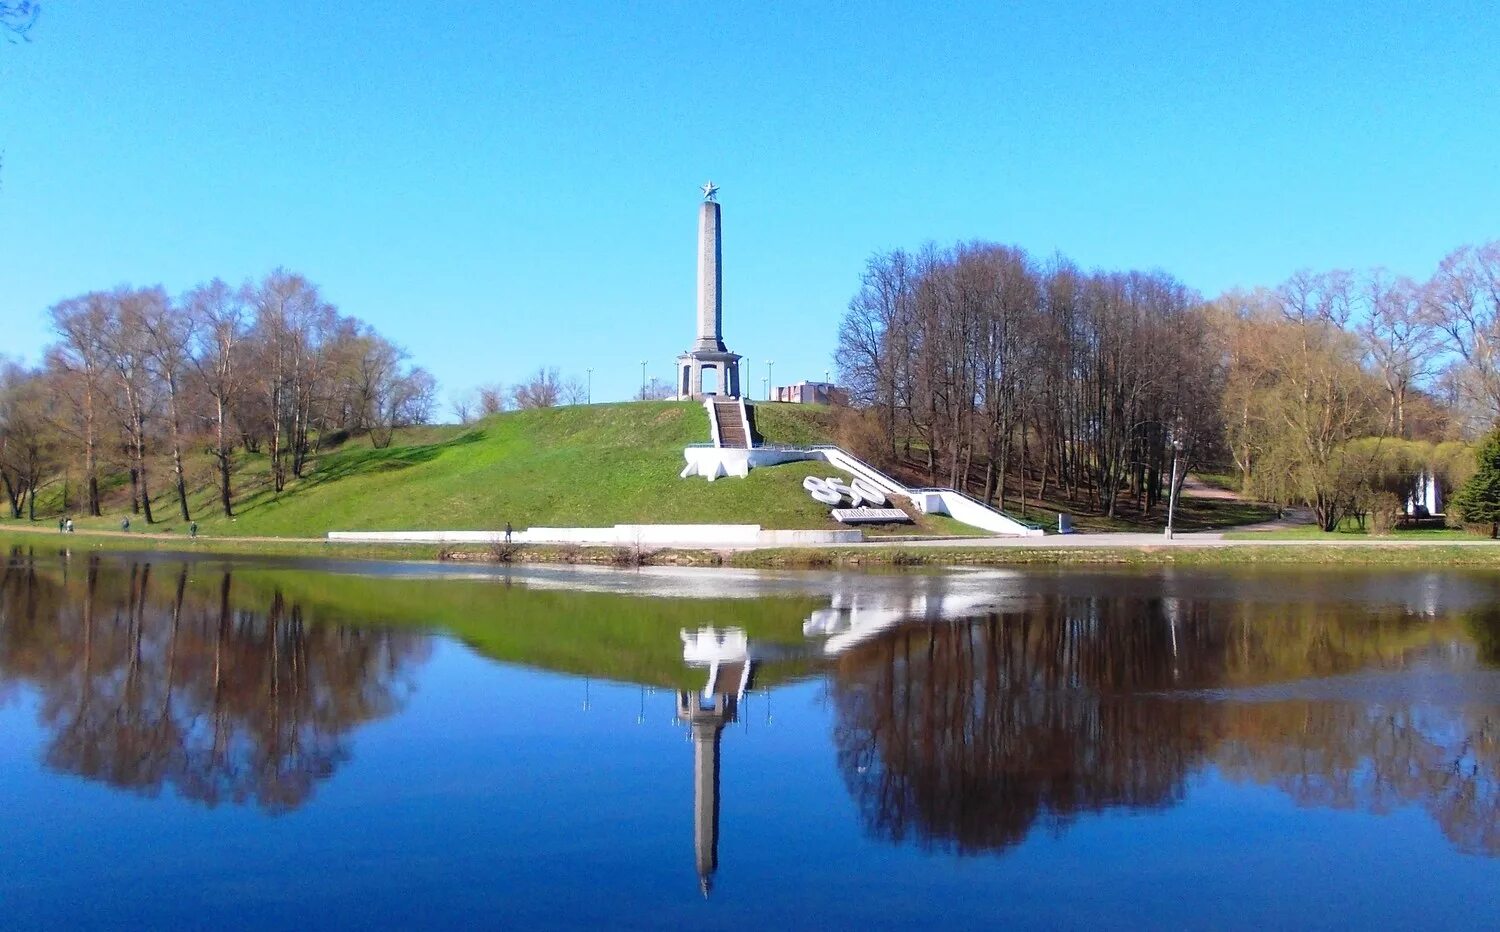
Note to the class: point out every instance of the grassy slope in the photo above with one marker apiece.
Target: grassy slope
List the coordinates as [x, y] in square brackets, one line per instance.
[571, 466]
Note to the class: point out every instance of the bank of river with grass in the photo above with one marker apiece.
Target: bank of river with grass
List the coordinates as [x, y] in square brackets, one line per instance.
[1087, 550]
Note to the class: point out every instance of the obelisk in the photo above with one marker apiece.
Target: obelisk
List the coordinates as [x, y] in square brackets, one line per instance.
[708, 352]
[710, 281]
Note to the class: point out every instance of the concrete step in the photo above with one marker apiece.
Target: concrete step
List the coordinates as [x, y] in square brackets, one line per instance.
[731, 428]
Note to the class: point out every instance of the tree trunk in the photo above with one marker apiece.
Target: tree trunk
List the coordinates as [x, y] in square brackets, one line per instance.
[221, 450]
[140, 461]
[176, 429]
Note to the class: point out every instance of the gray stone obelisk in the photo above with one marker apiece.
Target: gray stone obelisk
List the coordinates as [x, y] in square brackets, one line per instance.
[709, 352]
[710, 281]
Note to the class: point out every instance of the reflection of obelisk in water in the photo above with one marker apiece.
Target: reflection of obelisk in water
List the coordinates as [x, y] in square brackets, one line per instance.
[728, 658]
[707, 718]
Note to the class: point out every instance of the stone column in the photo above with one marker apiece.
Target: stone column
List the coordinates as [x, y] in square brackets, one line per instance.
[710, 284]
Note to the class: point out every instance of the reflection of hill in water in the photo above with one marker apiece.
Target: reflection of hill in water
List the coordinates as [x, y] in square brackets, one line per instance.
[147, 682]
[970, 734]
[965, 734]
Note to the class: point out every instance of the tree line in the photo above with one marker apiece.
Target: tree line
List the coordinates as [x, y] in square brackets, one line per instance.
[544, 388]
[980, 363]
[137, 376]
[1334, 390]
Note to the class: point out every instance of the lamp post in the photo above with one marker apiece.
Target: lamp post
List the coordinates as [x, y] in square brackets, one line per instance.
[643, 380]
[765, 388]
[588, 395]
[1176, 441]
[769, 364]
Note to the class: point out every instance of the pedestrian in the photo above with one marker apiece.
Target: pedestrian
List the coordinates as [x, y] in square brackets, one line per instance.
[70, 525]
[193, 529]
[62, 525]
[125, 523]
[507, 532]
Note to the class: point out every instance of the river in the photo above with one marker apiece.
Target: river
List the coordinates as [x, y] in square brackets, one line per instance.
[191, 742]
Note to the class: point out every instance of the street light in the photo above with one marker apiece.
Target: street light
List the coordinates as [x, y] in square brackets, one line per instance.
[588, 397]
[765, 388]
[769, 364]
[643, 380]
[1176, 440]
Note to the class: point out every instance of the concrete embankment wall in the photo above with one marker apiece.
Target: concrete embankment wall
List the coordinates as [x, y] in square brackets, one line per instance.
[621, 535]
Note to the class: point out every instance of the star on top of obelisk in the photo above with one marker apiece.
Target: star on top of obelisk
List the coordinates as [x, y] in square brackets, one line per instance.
[710, 191]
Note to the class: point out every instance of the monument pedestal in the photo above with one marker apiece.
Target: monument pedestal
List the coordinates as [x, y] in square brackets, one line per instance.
[724, 365]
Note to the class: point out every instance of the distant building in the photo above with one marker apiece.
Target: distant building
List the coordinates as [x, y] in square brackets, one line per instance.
[810, 393]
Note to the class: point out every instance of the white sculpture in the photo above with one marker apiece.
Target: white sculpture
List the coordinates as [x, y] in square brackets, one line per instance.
[834, 490]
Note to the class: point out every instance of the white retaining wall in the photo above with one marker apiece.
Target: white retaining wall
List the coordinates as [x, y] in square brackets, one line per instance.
[621, 535]
[712, 463]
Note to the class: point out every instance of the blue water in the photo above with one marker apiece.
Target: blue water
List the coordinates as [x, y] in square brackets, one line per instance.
[491, 793]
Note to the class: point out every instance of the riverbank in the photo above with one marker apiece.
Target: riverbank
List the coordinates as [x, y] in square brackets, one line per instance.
[1083, 550]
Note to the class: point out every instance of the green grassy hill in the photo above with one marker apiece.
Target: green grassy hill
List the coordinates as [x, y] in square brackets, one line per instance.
[583, 465]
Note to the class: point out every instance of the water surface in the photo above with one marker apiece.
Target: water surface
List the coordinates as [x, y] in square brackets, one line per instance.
[189, 743]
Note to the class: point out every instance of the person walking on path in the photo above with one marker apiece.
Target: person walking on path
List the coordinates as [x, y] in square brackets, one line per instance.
[125, 523]
[507, 532]
[193, 529]
[70, 525]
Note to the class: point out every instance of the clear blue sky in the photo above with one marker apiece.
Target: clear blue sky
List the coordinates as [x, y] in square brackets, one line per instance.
[496, 188]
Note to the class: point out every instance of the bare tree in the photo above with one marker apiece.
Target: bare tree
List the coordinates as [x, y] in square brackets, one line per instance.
[27, 447]
[169, 332]
[83, 324]
[1464, 298]
[463, 405]
[574, 391]
[220, 315]
[542, 389]
[491, 399]
[17, 17]
[129, 349]
[655, 390]
[1400, 338]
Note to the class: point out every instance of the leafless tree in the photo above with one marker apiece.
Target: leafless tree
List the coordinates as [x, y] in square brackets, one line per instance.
[542, 389]
[574, 391]
[1464, 299]
[17, 17]
[655, 390]
[83, 324]
[1401, 339]
[220, 315]
[463, 405]
[491, 399]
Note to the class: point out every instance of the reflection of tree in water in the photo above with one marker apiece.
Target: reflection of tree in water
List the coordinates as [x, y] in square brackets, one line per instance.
[969, 734]
[1375, 758]
[146, 683]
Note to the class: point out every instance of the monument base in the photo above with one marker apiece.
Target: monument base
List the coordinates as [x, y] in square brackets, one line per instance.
[690, 369]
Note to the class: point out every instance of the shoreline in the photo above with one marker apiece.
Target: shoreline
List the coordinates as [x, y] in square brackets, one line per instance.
[1122, 549]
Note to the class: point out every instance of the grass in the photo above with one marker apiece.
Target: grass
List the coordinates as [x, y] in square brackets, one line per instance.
[586, 465]
[1349, 528]
[794, 424]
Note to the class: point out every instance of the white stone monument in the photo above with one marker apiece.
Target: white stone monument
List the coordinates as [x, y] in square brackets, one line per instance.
[708, 352]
